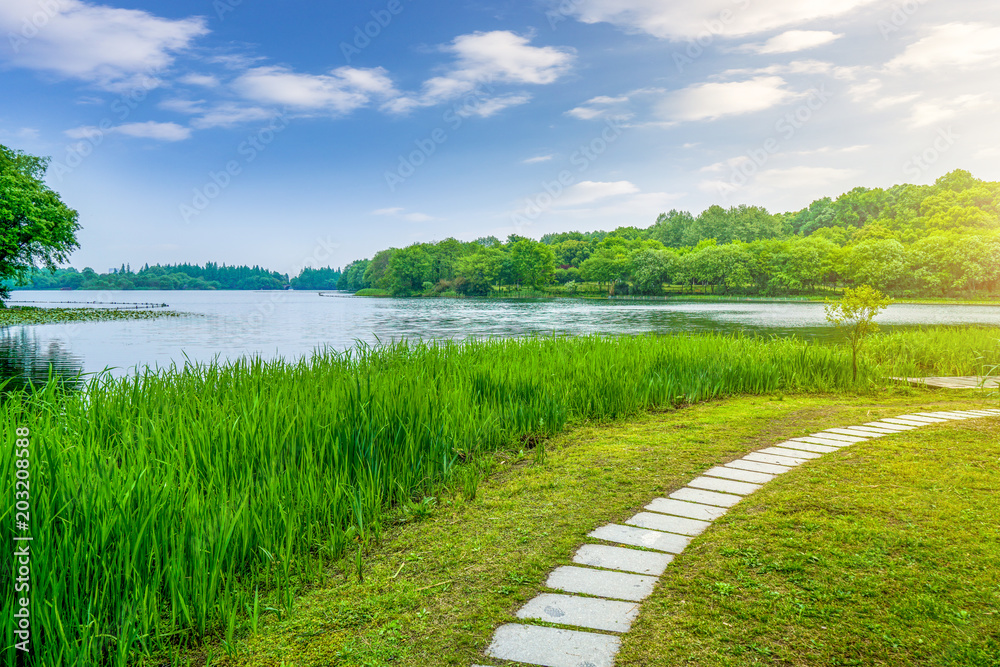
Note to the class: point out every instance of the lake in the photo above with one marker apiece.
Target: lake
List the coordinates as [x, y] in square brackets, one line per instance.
[230, 324]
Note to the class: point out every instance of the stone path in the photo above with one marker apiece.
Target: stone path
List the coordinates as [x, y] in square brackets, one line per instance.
[597, 599]
[970, 382]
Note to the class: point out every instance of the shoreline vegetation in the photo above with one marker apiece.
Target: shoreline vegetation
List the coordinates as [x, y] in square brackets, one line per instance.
[180, 506]
[922, 242]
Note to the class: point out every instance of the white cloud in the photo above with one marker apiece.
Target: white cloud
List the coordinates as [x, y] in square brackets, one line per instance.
[588, 192]
[676, 20]
[183, 106]
[228, 115]
[804, 178]
[938, 111]
[400, 212]
[341, 91]
[709, 101]
[537, 159]
[894, 100]
[146, 130]
[795, 40]
[493, 105]
[107, 46]
[963, 45]
[483, 59]
[725, 165]
[203, 80]
[603, 107]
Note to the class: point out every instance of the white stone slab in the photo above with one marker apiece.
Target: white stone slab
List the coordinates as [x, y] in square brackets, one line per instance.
[723, 485]
[689, 510]
[981, 413]
[743, 464]
[792, 453]
[927, 420]
[774, 460]
[895, 428]
[830, 435]
[602, 583]
[740, 475]
[641, 537]
[826, 442]
[905, 422]
[966, 413]
[806, 447]
[864, 431]
[669, 524]
[551, 647]
[593, 613]
[619, 558]
[706, 497]
[945, 415]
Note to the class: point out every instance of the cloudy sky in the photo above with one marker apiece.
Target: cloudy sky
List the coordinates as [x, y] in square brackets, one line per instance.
[285, 133]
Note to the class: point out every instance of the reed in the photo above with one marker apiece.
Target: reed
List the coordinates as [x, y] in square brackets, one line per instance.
[187, 502]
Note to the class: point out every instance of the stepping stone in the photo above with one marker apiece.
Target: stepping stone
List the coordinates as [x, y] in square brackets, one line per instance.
[981, 413]
[864, 431]
[830, 435]
[706, 497]
[895, 428]
[774, 460]
[602, 583]
[641, 537]
[619, 558]
[905, 422]
[552, 647]
[681, 508]
[927, 420]
[942, 415]
[724, 485]
[823, 441]
[743, 464]
[792, 453]
[964, 413]
[740, 475]
[593, 613]
[669, 524]
[806, 447]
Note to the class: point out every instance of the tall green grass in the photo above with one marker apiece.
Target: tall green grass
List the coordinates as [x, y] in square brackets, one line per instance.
[166, 505]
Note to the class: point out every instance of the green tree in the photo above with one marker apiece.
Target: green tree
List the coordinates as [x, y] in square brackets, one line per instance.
[36, 227]
[856, 313]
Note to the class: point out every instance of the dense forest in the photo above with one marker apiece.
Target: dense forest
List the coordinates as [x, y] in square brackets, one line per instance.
[940, 240]
[171, 277]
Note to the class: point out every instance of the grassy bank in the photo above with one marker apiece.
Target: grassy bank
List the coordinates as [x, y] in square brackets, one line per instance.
[437, 587]
[31, 315]
[886, 553]
[174, 506]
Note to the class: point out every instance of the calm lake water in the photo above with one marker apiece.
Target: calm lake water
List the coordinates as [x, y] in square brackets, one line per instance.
[227, 325]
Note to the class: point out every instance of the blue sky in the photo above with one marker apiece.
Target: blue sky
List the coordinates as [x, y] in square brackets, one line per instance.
[296, 133]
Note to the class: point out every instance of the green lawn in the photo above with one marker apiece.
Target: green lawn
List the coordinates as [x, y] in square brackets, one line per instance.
[849, 542]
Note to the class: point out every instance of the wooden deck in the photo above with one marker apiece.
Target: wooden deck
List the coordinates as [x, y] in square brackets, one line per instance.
[971, 382]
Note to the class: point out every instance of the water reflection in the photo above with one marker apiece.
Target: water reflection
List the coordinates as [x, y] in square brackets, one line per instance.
[29, 359]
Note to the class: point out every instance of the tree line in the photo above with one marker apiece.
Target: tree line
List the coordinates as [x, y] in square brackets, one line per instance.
[212, 276]
[940, 240]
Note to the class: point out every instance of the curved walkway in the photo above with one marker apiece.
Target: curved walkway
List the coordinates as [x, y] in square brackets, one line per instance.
[611, 579]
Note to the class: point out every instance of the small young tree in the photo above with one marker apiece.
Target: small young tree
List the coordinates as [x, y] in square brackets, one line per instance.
[856, 313]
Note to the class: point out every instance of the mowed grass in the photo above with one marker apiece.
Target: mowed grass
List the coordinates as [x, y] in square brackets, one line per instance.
[885, 553]
[436, 588]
